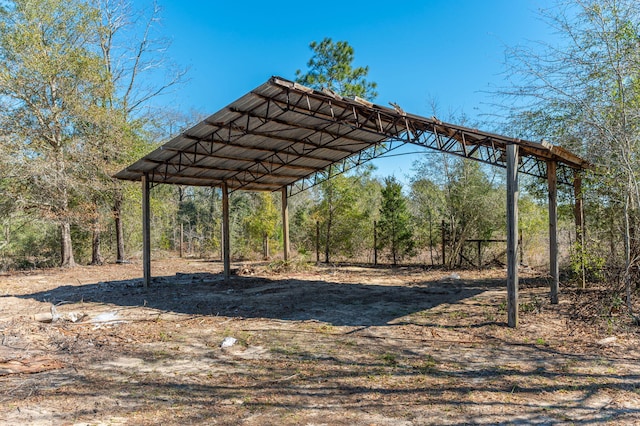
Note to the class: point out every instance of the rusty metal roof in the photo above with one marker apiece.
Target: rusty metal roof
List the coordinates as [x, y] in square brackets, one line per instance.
[283, 134]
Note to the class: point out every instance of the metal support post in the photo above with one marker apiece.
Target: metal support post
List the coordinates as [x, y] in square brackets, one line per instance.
[512, 235]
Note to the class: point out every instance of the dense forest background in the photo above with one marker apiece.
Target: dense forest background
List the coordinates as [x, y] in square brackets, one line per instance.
[77, 106]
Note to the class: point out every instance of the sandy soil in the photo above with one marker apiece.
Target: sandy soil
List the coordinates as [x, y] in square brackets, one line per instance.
[324, 346]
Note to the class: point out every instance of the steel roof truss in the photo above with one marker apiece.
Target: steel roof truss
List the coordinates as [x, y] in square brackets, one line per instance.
[282, 125]
[375, 151]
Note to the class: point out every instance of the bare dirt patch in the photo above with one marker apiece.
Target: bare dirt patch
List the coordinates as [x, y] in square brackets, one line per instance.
[328, 346]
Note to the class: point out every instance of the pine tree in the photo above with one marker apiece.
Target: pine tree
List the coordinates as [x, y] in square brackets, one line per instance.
[394, 230]
[330, 67]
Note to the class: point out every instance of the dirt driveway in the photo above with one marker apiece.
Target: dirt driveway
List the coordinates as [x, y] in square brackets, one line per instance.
[326, 346]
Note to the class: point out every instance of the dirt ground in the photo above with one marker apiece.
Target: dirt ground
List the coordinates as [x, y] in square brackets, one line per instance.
[323, 346]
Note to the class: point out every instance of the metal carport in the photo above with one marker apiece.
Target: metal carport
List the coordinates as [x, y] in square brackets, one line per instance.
[286, 137]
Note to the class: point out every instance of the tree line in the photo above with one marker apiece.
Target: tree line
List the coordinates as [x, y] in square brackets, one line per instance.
[74, 97]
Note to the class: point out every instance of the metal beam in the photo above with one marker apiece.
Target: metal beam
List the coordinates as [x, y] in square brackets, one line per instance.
[553, 230]
[266, 166]
[146, 231]
[344, 165]
[226, 239]
[315, 129]
[218, 142]
[285, 224]
[579, 221]
[512, 235]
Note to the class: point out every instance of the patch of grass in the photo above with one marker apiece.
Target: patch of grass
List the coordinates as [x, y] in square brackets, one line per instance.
[327, 329]
[541, 342]
[389, 359]
[244, 338]
[426, 366]
[568, 366]
[489, 316]
[288, 350]
[532, 306]
[459, 314]
[164, 337]
[348, 343]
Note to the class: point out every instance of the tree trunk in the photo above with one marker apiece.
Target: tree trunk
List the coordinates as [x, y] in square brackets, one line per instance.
[394, 245]
[627, 255]
[327, 239]
[96, 254]
[66, 247]
[265, 247]
[117, 216]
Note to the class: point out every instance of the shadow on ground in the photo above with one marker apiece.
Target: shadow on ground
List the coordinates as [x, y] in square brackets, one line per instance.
[354, 304]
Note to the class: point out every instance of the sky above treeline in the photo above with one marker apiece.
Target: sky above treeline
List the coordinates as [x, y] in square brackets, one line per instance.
[447, 53]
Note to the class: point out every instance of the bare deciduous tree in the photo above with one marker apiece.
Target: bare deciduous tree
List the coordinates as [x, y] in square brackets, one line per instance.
[585, 92]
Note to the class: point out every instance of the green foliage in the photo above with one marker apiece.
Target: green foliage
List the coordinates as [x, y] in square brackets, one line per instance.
[471, 205]
[49, 78]
[426, 204]
[71, 98]
[585, 94]
[331, 67]
[394, 225]
[262, 222]
[28, 243]
[591, 261]
[345, 209]
[199, 213]
[302, 223]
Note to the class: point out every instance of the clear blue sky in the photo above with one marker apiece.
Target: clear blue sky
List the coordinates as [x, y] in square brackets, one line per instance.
[447, 51]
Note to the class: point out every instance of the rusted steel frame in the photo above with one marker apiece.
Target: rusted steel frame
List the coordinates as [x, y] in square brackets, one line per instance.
[341, 163]
[409, 133]
[512, 234]
[270, 170]
[374, 118]
[199, 181]
[377, 150]
[297, 156]
[341, 118]
[357, 111]
[541, 151]
[463, 142]
[261, 163]
[248, 178]
[496, 159]
[183, 156]
[177, 171]
[294, 144]
[532, 166]
[434, 141]
[254, 186]
[146, 231]
[151, 177]
[450, 145]
[249, 148]
[294, 141]
[180, 153]
[306, 127]
[302, 96]
[565, 174]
